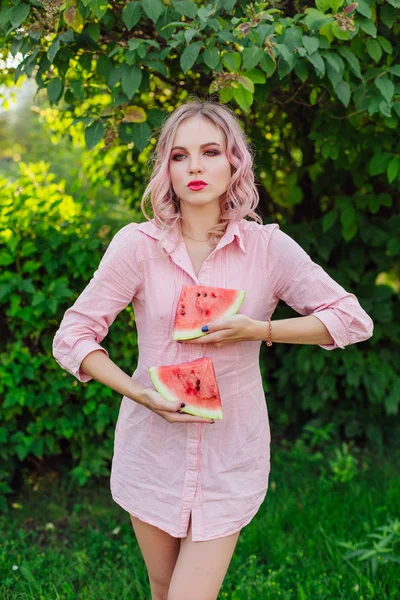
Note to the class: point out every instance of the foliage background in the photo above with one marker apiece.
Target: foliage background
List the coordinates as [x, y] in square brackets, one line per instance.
[316, 87]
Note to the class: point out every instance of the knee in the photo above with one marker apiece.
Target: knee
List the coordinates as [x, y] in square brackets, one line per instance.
[159, 589]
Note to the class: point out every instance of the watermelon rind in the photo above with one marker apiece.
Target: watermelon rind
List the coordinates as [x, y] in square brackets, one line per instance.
[189, 409]
[190, 334]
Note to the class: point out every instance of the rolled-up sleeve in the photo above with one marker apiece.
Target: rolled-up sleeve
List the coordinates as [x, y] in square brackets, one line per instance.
[112, 287]
[309, 290]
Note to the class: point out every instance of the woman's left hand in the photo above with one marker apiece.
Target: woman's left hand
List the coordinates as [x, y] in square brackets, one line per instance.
[238, 328]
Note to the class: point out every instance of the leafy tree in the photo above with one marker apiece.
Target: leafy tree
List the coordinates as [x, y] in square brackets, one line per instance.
[317, 89]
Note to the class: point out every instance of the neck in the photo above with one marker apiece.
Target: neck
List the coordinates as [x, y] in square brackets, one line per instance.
[198, 226]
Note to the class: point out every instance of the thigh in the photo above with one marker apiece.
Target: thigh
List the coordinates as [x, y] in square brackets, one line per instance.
[160, 552]
[201, 568]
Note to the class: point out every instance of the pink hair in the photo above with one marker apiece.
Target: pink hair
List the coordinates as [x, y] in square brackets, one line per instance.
[241, 197]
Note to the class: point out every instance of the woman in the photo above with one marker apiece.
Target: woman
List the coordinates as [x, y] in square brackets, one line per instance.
[190, 488]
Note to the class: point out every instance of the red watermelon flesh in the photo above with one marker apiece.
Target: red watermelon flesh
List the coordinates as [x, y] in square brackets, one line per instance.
[200, 305]
[191, 382]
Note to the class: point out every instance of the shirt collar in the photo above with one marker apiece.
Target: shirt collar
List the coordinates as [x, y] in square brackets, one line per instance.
[233, 231]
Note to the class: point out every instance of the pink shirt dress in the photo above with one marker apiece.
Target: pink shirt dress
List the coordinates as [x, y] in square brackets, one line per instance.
[163, 472]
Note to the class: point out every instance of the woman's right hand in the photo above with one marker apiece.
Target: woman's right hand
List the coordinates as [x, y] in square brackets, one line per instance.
[170, 411]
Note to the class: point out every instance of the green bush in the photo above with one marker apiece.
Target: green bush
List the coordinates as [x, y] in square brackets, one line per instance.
[50, 246]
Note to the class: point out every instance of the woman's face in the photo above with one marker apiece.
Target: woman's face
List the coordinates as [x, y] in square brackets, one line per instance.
[198, 158]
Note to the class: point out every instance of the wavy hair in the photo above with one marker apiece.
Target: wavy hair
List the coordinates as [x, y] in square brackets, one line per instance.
[241, 197]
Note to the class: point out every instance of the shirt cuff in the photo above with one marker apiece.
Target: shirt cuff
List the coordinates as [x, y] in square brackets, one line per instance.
[81, 350]
[335, 327]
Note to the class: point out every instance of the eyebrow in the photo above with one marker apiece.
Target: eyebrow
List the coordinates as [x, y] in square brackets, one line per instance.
[202, 146]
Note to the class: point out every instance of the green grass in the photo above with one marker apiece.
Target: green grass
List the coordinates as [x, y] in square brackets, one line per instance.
[71, 543]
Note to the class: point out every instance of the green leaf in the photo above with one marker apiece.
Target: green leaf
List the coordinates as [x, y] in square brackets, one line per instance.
[138, 133]
[395, 70]
[5, 15]
[374, 50]
[392, 401]
[93, 134]
[315, 19]
[114, 76]
[301, 70]
[52, 51]
[334, 60]
[232, 61]
[93, 30]
[19, 13]
[343, 92]
[251, 57]
[351, 59]
[153, 9]
[77, 89]
[348, 215]
[349, 232]
[243, 97]
[395, 3]
[338, 33]
[318, 63]
[189, 56]
[329, 220]
[255, 75]
[131, 14]
[268, 65]
[54, 89]
[246, 83]
[335, 4]
[322, 5]
[379, 163]
[131, 79]
[386, 45]
[388, 15]
[188, 9]
[211, 57]
[393, 169]
[311, 44]
[385, 109]
[386, 87]
[285, 52]
[367, 26]
[98, 7]
[364, 9]
[103, 67]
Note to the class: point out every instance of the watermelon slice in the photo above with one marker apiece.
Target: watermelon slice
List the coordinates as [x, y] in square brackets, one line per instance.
[191, 382]
[201, 304]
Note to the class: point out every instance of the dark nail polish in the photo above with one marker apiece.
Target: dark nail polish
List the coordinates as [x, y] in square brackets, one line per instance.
[183, 404]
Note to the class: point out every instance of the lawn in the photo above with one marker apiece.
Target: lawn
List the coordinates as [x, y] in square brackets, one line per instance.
[64, 542]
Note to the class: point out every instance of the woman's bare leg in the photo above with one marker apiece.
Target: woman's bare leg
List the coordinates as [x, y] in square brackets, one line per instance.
[201, 568]
[160, 552]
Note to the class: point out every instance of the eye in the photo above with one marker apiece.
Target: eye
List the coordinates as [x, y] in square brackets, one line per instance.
[213, 153]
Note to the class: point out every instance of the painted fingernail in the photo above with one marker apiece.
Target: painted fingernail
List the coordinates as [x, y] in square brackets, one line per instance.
[205, 328]
[183, 404]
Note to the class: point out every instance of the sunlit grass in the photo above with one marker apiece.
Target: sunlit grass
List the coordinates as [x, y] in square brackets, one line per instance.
[62, 543]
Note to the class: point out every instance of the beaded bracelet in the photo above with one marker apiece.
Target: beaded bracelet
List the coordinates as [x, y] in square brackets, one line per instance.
[269, 341]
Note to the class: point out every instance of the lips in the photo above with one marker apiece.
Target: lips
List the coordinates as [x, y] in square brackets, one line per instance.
[199, 185]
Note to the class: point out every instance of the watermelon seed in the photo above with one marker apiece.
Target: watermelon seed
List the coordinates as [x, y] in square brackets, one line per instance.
[198, 294]
[205, 294]
[183, 313]
[198, 382]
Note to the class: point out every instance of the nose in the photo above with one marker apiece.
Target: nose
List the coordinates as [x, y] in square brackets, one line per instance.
[195, 166]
